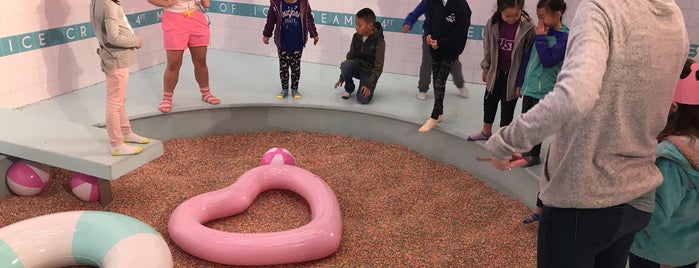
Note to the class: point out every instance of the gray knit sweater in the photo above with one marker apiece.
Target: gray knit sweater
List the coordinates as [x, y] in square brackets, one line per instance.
[610, 101]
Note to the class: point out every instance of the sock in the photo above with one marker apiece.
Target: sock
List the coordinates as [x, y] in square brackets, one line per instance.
[166, 104]
[134, 138]
[124, 149]
[208, 97]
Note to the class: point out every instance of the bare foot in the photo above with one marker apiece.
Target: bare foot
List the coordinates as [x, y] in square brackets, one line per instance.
[429, 124]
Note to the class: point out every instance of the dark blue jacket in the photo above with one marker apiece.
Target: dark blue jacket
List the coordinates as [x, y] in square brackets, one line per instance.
[419, 10]
[449, 26]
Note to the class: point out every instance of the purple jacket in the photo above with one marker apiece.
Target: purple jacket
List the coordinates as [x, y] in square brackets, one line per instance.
[274, 21]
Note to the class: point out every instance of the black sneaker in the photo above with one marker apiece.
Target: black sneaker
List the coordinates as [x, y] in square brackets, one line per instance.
[295, 93]
[532, 160]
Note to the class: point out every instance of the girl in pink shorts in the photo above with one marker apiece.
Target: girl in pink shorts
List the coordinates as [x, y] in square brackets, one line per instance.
[184, 26]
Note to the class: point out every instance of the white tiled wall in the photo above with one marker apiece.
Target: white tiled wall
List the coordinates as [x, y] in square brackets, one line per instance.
[35, 75]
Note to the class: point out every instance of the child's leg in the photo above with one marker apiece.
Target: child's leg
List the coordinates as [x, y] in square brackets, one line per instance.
[457, 75]
[295, 73]
[170, 77]
[423, 83]
[490, 108]
[117, 79]
[507, 108]
[284, 63]
[348, 70]
[201, 73]
[527, 104]
[440, 71]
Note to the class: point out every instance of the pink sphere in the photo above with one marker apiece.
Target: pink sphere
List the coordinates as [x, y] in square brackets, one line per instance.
[277, 156]
[85, 187]
[27, 178]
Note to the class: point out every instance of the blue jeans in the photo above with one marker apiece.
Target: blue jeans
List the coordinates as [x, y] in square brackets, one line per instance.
[351, 69]
[570, 237]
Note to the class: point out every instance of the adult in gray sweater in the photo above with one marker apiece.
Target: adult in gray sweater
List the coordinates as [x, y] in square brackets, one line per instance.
[610, 101]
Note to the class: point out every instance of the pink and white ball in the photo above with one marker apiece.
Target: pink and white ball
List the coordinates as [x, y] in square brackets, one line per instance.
[277, 156]
[85, 187]
[27, 178]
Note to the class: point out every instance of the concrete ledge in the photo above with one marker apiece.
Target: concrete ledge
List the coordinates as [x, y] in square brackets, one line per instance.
[437, 144]
[67, 145]
[5, 163]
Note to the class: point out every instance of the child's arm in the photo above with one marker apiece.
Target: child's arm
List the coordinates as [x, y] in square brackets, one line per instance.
[271, 21]
[485, 63]
[670, 193]
[413, 16]
[551, 56]
[112, 21]
[378, 64]
[523, 68]
[206, 3]
[161, 3]
[310, 21]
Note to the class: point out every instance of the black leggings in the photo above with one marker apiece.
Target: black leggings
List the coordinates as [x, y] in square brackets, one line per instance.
[498, 94]
[440, 73]
[290, 60]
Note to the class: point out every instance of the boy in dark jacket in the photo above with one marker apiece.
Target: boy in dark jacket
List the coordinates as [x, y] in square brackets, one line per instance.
[365, 57]
[292, 22]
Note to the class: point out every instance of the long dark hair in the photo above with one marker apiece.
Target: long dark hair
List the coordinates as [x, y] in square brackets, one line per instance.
[553, 6]
[685, 120]
[505, 4]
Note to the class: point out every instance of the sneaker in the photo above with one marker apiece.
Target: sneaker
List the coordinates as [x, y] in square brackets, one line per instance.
[346, 95]
[479, 136]
[532, 160]
[531, 218]
[283, 94]
[421, 95]
[296, 94]
[463, 92]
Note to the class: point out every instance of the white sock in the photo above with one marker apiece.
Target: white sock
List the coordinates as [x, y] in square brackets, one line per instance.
[124, 149]
[132, 137]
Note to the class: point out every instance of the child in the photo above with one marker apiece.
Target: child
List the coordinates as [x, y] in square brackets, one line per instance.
[672, 235]
[508, 35]
[423, 83]
[447, 34]
[292, 21]
[117, 42]
[184, 26]
[539, 70]
[365, 57]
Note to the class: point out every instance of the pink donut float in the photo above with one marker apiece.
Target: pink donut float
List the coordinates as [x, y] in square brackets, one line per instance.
[315, 240]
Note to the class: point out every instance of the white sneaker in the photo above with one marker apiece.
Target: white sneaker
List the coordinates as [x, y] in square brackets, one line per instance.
[463, 92]
[421, 95]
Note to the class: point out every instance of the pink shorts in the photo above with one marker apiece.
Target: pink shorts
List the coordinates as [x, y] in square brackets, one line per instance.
[181, 32]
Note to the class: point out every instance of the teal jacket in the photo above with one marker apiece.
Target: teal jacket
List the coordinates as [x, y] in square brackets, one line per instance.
[672, 235]
[542, 63]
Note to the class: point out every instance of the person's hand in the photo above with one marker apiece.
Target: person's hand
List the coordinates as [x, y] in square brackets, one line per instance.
[169, 3]
[519, 92]
[434, 44]
[265, 40]
[206, 3]
[339, 83]
[541, 28]
[315, 40]
[406, 28]
[429, 39]
[483, 76]
[516, 160]
[365, 91]
[140, 42]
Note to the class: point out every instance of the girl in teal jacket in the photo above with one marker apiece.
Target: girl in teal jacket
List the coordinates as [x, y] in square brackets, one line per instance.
[672, 235]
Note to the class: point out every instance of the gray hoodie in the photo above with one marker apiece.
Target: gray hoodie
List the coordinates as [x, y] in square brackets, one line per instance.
[117, 39]
[610, 101]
